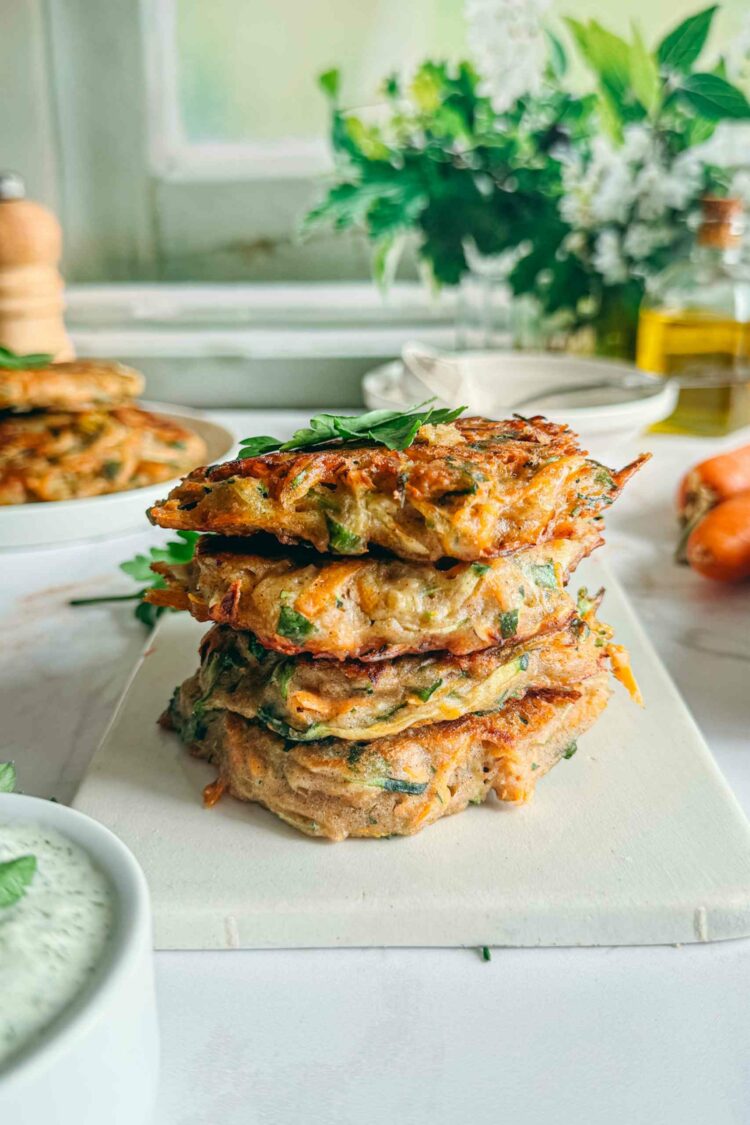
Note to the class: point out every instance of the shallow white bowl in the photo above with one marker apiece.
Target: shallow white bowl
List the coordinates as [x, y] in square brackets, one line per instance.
[96, 517]
[98, 1061]
[601, 414]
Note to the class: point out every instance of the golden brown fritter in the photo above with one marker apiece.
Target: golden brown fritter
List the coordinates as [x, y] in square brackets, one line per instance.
[472, 490]
[303, 699]
[392, 786]
[65, 456]
[80, 384]
[373, 608]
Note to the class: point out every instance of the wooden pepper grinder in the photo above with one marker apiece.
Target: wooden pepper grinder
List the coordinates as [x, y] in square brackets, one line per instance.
[31, 288]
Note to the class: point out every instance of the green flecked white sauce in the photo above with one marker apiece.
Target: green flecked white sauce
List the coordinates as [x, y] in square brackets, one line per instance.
[52, 939]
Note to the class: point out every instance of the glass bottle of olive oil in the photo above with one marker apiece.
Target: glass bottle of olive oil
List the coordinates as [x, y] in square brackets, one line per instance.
[694, 324]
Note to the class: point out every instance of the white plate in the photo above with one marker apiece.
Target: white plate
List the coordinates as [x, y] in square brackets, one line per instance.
[66, 521]
[636, 840]
[614, 416]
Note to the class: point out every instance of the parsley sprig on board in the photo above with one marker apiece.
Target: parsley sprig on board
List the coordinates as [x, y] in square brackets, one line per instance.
[15, 362]
[393, 428]
[175, 552]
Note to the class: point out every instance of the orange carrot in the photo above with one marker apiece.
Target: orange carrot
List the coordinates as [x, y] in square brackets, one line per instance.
[719, 546]
[712, 481]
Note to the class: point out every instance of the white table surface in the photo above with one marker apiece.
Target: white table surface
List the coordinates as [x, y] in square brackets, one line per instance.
[617, 1036]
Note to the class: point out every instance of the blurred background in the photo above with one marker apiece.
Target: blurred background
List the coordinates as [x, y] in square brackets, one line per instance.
[183, 142]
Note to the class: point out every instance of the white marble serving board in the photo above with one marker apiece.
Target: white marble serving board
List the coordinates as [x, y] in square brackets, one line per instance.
[636, 840]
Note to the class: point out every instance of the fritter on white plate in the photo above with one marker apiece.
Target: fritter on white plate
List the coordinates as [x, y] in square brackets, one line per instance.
[373, 608]
[69, 455]
[396, 785]
[304, 699]
[80, 384]
[471, 490]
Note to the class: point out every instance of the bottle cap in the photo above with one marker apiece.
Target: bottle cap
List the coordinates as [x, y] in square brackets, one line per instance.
[721, 221]
[11, 186]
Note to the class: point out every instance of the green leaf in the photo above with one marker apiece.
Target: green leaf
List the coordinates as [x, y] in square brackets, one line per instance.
[7, 777]
[681, 47]
[15, 876]
[508, 623]
[398, 785]
[385, 260]
[480, 568]
[606, 54]
[393, 428]
[570, 750]
[543, 574]
[13, 361]
[340, 539]
[330, 83]
[644, 73]
[257, 446]
[558, 60]
[293, 625]
[281, 676]
[425, 693]
[714, 97]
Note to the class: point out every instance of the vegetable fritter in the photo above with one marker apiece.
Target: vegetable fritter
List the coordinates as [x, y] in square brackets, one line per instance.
[81, 384]
[373, 608]
[392, 786]
[67, 455]
[471, 490]
[303, 699]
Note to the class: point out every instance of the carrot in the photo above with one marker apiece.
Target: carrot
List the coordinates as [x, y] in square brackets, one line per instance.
[712, 481]
[719, 546]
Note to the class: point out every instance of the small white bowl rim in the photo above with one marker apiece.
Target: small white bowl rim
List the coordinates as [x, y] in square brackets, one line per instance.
[129, 495]
[124, 951]
[619, 410]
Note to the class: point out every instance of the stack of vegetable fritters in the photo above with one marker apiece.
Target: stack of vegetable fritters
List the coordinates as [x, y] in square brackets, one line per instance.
[69, 430]
[392, 634]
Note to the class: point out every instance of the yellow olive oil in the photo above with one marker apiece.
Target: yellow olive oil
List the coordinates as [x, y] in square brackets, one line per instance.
[694, 326]
[711, 355]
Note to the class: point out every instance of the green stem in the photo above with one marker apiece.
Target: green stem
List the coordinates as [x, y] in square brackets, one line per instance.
[107, 598]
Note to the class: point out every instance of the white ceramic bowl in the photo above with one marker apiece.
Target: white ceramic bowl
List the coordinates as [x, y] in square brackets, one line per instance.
[601, 411]
[97, 1062]
[96, 517]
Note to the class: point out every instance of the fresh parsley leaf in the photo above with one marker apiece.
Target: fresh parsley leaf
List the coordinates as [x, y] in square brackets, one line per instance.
[393, 428]
[293, 625]
[15, 362]
[425, 693]
[570, 750]
[341, 539]
[509, 623]
[256, 648]
[486, 955]
[544, 575]
[15, 876]
[7, 777]
[480, 568]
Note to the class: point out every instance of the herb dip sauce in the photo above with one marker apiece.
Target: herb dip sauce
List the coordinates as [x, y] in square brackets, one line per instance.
[53, 937]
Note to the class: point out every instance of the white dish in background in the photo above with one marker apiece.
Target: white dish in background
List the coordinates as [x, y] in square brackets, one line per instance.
[97, 1061]
[500, 380]
[636, 840]
[66, 521]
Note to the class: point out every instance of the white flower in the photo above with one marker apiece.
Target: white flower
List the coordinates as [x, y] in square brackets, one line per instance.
[740, 186]
[738, 55]
[607, 258]
[729, 147]
[506, 39]
[641, 240]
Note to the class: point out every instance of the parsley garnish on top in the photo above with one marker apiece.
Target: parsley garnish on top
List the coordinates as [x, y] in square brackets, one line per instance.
[393, 428]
